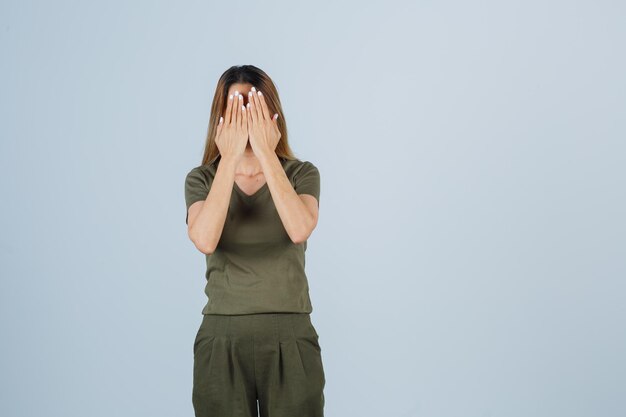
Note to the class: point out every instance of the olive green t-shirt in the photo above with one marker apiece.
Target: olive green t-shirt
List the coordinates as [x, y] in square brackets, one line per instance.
[255, 268]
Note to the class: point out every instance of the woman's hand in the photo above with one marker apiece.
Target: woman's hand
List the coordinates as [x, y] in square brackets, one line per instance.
[262, 128]
[232, 131]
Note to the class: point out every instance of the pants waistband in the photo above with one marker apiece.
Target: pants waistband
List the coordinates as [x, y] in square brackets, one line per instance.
[277, 326]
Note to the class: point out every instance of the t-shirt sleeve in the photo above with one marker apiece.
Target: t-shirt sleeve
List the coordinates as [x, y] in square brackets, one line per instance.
[307, 180]
[197, 187]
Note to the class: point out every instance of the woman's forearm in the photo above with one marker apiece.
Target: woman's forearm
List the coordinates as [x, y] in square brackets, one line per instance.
[296, 217]
[206, 228]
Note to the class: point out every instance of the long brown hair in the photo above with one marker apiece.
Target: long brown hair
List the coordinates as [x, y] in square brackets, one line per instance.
[262, 82]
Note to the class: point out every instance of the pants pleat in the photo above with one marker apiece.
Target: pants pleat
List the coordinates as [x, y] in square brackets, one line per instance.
[272, 359]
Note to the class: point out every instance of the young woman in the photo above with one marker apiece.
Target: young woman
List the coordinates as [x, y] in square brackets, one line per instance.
[251, 205]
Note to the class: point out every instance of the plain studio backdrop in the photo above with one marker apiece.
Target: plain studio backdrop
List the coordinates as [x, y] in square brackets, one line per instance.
[469, 259]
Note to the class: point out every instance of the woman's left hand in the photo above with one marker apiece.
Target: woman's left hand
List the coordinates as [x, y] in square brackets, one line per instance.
[262, 128]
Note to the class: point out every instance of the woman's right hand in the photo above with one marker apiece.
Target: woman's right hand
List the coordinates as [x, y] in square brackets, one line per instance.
[232, 131]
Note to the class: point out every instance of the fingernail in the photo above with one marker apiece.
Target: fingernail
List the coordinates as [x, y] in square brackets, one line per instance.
[260, 93]
[230, 97]
[253, 89]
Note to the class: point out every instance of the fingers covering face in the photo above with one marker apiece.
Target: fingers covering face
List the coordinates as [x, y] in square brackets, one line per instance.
[252, 107]
[239, 106]
[257, 105]
[263, 106]
[229, 105]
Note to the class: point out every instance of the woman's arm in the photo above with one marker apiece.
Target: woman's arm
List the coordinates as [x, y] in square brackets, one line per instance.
[207, 218]
[298, 212]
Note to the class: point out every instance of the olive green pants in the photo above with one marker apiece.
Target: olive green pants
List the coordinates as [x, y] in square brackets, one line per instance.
[272, 358]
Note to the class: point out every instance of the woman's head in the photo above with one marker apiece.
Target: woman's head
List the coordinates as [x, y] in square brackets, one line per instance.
[242, 78]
